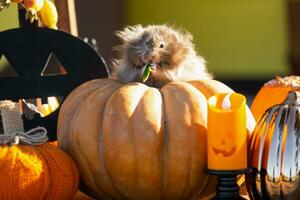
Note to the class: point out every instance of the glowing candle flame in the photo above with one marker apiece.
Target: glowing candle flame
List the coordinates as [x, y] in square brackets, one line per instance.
[226, 104]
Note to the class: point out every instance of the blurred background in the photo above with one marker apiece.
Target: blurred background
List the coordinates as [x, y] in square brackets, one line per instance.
[245, 42]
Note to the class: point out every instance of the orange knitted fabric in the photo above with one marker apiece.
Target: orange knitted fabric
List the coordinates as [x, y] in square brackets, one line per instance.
[40, 172]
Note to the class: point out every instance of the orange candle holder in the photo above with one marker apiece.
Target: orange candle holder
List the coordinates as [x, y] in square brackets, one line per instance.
[227, 142]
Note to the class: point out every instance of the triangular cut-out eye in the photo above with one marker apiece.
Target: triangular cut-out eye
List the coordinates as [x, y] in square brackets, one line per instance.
[6, 69]
[53, 67]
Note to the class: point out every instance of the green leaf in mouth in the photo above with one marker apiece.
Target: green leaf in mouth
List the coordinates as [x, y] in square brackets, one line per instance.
[146, 72]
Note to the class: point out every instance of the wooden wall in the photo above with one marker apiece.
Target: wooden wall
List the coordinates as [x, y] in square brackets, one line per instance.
[99, 19]
[294, 35]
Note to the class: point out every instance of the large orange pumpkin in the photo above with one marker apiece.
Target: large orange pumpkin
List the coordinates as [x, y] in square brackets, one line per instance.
[273, 92]
[131, 141]
[36, 173]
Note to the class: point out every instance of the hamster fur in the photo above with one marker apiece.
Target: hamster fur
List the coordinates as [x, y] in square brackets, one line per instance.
[171, 51]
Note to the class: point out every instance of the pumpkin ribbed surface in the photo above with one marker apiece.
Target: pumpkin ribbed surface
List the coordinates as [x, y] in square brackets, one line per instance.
[137, 142]
[274, 152]
[36, 173]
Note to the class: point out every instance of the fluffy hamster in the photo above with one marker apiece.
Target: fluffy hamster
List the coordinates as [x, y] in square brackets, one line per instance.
[170, 51]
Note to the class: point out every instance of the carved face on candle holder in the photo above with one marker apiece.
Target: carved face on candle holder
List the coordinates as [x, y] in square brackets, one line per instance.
[227, 134]
[223, 144]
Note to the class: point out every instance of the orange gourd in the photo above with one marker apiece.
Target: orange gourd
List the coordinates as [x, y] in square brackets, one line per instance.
[36, 173]
[131, 141]
[31, 169]
[273, 92]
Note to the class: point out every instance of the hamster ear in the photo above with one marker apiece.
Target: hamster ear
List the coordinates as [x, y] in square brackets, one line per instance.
[130, 32]
[187, 35]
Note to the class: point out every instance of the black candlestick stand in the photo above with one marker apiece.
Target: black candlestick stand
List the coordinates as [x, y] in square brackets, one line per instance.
[228, 189]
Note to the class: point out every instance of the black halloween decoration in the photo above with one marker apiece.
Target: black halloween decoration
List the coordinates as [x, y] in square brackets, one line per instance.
[30, 51]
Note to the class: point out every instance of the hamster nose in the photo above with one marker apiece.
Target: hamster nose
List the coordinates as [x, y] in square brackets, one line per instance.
[150, 57]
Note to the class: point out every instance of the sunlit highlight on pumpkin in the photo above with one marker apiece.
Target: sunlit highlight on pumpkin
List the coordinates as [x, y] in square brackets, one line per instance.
[32, 167]
[37, 173]
[131, 141]
[21, 167]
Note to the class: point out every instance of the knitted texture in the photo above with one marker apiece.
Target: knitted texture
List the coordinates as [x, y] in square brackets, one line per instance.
[32, 172]
[40, 172]
[11, 117]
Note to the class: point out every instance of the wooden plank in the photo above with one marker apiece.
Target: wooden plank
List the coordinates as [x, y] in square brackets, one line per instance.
[99, 19]
[67, 20]
[293, 7]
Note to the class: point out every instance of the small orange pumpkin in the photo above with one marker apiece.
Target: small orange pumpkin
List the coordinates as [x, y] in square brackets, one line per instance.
[131, 141]
[273, 92]
[34, 172]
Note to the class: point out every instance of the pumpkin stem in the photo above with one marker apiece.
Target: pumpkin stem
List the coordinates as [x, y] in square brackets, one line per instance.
[293, 98]
[288, 81]
[13, 128]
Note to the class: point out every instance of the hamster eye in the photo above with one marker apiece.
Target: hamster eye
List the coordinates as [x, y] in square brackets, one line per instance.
[161, 45]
